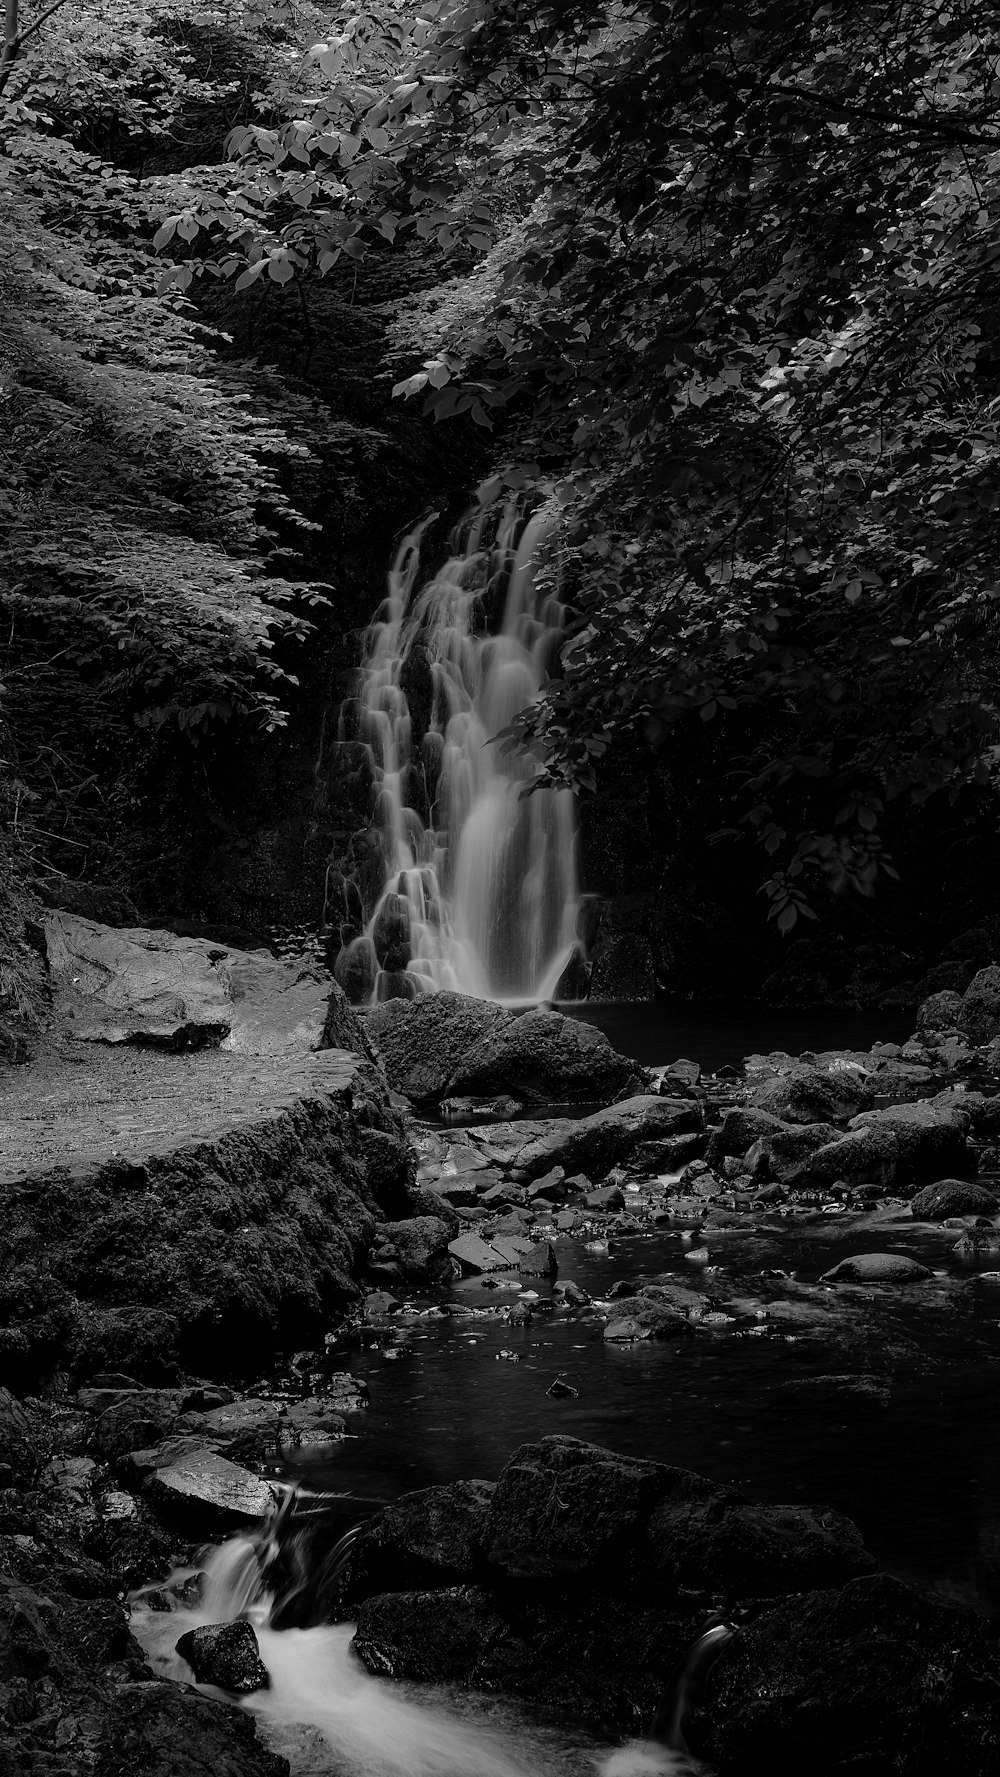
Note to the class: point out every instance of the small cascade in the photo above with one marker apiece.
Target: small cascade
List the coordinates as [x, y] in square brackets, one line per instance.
[479, 888]
[322, 1709]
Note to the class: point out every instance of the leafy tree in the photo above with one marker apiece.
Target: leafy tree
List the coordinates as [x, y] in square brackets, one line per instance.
[149, 532]
[726, 274]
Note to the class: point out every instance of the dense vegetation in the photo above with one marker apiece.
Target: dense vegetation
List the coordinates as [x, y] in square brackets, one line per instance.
[718, 280]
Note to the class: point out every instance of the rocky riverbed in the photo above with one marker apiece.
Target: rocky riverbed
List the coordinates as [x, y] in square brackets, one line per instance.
[212, 1174]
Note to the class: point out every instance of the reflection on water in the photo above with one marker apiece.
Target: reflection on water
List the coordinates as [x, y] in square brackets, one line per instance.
[878, 1403]
[657, 1031]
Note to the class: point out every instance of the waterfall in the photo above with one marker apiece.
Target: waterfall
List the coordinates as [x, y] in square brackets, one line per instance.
[479, 889]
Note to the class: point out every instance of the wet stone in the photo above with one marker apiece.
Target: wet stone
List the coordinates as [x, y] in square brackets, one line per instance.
[877, 1268]
[227, 1655]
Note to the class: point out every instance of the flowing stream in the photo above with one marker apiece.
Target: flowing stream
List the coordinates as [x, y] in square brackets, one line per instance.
[330, 1718]
[479, 891]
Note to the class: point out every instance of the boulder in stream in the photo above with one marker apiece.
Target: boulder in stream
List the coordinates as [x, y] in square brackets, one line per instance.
[877, 1268]
[979, 1017]
[953, 1197]
[227, 1655]
[814, 1094]
[448, 1045]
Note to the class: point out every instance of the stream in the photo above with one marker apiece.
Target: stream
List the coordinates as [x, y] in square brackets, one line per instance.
[877, 1402]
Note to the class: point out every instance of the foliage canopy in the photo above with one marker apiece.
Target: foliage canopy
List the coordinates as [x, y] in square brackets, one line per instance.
[724, 274]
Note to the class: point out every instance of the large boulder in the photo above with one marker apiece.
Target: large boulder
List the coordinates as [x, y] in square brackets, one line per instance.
[157, 989]
[894, 1148]
[979, 1018]
[199, 1489]
[426, 1539]
[739, 1129]
[939, 1012]
[953, 1197]
[602, 1662]
[448, 1045]
[569, 1512]
[871, 1679]
[592, 1145]
[421, 1243]
[814, 1095]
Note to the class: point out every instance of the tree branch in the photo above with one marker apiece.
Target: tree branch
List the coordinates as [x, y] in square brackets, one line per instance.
[14, 39]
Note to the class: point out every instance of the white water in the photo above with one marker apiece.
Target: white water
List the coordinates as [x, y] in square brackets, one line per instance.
[480, 887]
[331, 1718]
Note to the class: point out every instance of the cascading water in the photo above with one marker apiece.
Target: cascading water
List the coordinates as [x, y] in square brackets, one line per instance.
[479, 888]
[322, 1710]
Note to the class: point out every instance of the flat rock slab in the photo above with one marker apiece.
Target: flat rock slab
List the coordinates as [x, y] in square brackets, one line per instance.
[157, 989]
[91, 1105]
[204, 1486]
[505, 1252]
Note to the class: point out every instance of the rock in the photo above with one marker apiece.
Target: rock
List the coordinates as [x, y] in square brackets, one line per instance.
[609, 1197]
[939, 1012]
[600, 1662]
[198, 1486]
[877, 1268]
[604, 1503]
[503, 1252]
[429, 1538]
[391, 934]
[687, 1071]
[979, 1018]
[812, 1095]
[644, 1529]
[422, 1246]
[134, 985]
[434, 1637]
[216, 1225]
[647, 1318]
[895, 1147]
[250, 1429]
[227, 1655]
[977, 1242]
[786, 1149]
[342, 1029]
[162, 1730]
[24, 1443]
[551, 1184]
[739, 1130]
[953, 1197]
[954, 1053]
[985, 1113]
[571, 1293]
[458, 1193]
[608, 1138]
[873, 1678]
[717, 1542]
[447, 1044]
[668, 1154]
[900, 1079]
